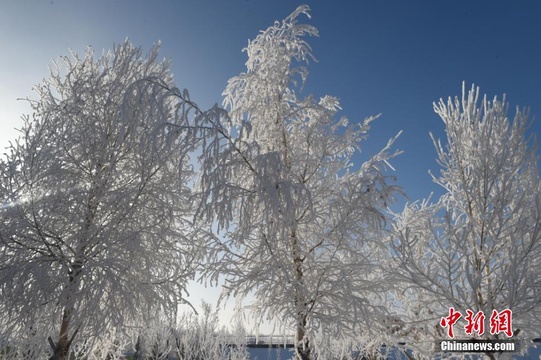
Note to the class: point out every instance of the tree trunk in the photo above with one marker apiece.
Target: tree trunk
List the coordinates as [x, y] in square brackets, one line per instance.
[302, 351]
[303, 344]
[63, 341]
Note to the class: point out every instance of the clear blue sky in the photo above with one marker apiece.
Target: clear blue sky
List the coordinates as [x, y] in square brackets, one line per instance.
[379, 56]
[393, 57]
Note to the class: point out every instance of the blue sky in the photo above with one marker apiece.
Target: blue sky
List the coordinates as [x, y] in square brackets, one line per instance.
[389, 57]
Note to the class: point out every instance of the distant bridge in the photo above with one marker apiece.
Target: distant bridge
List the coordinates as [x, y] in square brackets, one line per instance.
[269, 341]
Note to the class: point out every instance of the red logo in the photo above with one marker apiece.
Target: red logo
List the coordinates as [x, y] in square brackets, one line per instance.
[450, 320]
[476, 323]
[500, 322]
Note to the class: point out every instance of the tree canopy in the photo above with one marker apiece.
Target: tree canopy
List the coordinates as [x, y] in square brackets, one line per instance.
[96, 207]
[478, 247]
[304, 221]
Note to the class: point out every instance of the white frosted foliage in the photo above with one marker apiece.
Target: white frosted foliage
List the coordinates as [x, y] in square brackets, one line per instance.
[96, 205]
[479, 246]
[303, 221]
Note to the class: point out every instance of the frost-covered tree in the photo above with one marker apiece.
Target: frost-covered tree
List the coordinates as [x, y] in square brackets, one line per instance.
[478, 247]
[95, 203]
[303, 219]
[192, 337]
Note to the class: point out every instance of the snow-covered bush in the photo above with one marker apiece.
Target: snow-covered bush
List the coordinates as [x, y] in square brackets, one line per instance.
[192, 337]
